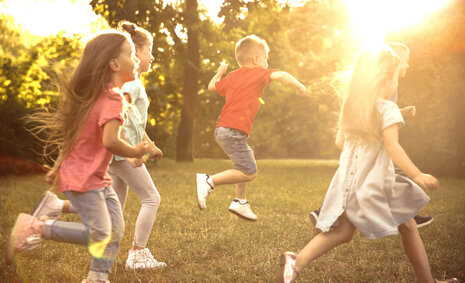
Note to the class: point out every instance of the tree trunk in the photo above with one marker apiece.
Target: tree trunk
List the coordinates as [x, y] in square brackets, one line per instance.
[184, 151]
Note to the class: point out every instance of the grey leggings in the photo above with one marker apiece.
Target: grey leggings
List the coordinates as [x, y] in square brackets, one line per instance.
[101, 229]
[139, 180]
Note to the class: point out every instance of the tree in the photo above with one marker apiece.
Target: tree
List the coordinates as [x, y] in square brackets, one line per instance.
[184, 147]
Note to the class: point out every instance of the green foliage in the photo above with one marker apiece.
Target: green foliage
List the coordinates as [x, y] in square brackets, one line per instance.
[28, 79]
[313, 42]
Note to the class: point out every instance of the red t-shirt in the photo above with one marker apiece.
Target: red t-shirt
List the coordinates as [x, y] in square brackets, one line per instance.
[242, 88]
[86, 166]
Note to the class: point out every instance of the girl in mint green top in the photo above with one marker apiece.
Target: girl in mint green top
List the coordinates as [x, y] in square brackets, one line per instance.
[136, 114]
[131, 172]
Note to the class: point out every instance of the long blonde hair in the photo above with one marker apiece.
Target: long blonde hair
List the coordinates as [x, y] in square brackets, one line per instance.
[60, 129]
[373, 70]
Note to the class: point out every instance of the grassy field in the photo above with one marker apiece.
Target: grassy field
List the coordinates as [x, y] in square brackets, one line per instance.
[216, 246]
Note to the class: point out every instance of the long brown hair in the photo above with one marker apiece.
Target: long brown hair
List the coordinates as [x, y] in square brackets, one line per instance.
[373, 70]
[60, 129]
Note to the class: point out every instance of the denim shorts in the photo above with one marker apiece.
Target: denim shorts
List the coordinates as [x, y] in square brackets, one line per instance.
[234, 143]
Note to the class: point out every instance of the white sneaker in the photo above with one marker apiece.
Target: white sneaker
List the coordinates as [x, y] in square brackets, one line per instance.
[142, 259]
[242, 210]
[49, 205]
[203, 190]
[26, 235]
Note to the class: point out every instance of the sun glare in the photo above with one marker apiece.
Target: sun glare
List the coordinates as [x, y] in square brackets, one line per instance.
[48, 17]
[372, 19]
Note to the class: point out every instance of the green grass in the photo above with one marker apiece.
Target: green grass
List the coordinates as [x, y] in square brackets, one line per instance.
[216, 246]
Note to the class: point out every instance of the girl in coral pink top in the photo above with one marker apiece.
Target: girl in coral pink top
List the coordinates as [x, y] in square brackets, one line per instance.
[86, 129]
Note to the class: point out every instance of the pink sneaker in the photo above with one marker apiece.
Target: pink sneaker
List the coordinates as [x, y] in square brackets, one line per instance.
[287, 272]
[49, 205]
[26, 235]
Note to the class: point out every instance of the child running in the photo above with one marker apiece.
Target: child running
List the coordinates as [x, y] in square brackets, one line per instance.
[86, 128]
[132, 171]
[242, 89]
[409, 111]
[363, 193]
[128, 171]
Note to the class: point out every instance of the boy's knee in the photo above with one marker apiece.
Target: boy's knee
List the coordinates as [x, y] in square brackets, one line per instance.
[251, 177]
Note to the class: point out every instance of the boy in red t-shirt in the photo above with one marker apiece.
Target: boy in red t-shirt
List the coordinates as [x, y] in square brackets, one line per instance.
[242, 89]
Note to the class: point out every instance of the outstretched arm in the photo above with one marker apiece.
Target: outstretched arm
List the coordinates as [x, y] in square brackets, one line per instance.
[221, 70]
[288, 79]
[401, 159]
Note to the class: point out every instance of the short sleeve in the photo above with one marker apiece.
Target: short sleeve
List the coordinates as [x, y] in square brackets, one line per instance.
[393, 97]
[267, 75]
[112, 108]
[390, 113]
[132, 88]
[221, 85]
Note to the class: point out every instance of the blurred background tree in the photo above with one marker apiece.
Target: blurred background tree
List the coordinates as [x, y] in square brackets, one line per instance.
[313, 41]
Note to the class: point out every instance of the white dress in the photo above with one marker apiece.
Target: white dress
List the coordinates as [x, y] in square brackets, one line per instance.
[365, 187]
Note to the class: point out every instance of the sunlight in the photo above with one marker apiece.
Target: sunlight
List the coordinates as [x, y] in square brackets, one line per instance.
[48, 17]
[371, 20]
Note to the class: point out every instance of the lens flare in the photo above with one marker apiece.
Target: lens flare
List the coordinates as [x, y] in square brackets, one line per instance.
[372, 19]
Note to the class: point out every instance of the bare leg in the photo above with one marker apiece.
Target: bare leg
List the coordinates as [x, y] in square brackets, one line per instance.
[324, 242]
[415, 251]
[66, 206]
[231, 176]
[240, 190]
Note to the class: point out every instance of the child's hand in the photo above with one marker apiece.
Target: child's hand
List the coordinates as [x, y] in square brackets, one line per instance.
[426, 181]
[142, 148]
[409, 111]
[155, 153]
[222, 69]
[135, 162]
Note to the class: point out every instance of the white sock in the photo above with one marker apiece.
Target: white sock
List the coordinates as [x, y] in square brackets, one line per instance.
[210, 181]
[242, 200]
[60, 203]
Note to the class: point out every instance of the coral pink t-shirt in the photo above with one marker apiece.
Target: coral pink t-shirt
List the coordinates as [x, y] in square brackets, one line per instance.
[86, 166]
[242, 89]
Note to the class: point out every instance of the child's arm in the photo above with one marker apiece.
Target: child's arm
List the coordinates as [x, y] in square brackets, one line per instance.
[339, 139]
[288, 79]
[401, 159]
[113, 142]
[221, 70]
[408, 111]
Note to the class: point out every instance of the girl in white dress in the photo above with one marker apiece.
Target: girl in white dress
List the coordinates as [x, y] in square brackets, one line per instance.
[363, 193]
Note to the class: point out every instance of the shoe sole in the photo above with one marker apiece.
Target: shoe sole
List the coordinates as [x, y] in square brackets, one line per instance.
[425, 223]
[282, 263]
[241, 216]
[41, 203]
[11, 251]
[197, 193]
[313, 218]
[147, 268]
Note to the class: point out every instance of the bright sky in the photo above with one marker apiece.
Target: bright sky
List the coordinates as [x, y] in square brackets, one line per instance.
[371, 19]
[46, 17]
